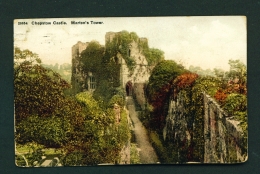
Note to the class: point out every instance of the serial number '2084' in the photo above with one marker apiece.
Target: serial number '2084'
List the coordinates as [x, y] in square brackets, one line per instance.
[22, 23]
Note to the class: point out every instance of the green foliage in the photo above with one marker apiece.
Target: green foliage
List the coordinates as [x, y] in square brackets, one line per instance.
[73, 159]
[242, 117]
[162, 74]
[120, 43]
[236, 105]
[117, 99]
[237, 69]
[93, 113]
[206, 84]
[145, 116]
[219, 73]
[191, 88]
[105, 65]
[64, 70]
[25, 56]
[159, 147]
[92, 56]
[158, 89]
[106, 71]
[37, 91]
[82, 126]
[134, 155]
[104, 92]
[99, 139]
[153, 55]
[235, 102]
[41, 108]
[49, 131]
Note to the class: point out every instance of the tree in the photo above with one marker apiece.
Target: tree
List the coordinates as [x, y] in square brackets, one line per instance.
[87, 133]
[238, 75]
[236, 83]
[40, 104]
[237, 69]
[158, 89]
[161, 76]
[153, 56]
[37, 91]
[95, 137]
[219, 73]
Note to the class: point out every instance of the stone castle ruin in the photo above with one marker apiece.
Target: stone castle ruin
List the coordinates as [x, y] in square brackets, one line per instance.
[130, 77]
[219, 140]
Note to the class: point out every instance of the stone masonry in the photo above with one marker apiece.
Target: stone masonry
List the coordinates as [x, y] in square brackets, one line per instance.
[223, 138]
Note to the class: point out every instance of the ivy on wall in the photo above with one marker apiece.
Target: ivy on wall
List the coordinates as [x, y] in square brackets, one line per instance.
[105, 66]
[121, 43]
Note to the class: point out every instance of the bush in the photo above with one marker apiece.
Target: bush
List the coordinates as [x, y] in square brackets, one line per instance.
[50, 131]
[134, 155]
[117, 99]
[100, 139]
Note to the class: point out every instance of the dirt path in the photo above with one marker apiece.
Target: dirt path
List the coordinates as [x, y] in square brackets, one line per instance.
[147, 153]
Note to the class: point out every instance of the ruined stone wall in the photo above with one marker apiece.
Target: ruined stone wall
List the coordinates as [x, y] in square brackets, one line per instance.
[223, 138]
[176, 128]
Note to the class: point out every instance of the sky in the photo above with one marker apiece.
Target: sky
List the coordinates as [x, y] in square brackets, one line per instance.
[205, 41]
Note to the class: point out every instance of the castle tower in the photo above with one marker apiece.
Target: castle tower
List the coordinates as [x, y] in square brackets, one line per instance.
[129, 54]
[77, 76]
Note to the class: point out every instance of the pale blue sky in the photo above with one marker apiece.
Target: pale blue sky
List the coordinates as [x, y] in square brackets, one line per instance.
[208, 42]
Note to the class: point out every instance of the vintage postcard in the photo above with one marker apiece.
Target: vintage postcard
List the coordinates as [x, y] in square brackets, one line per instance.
[130, 90]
